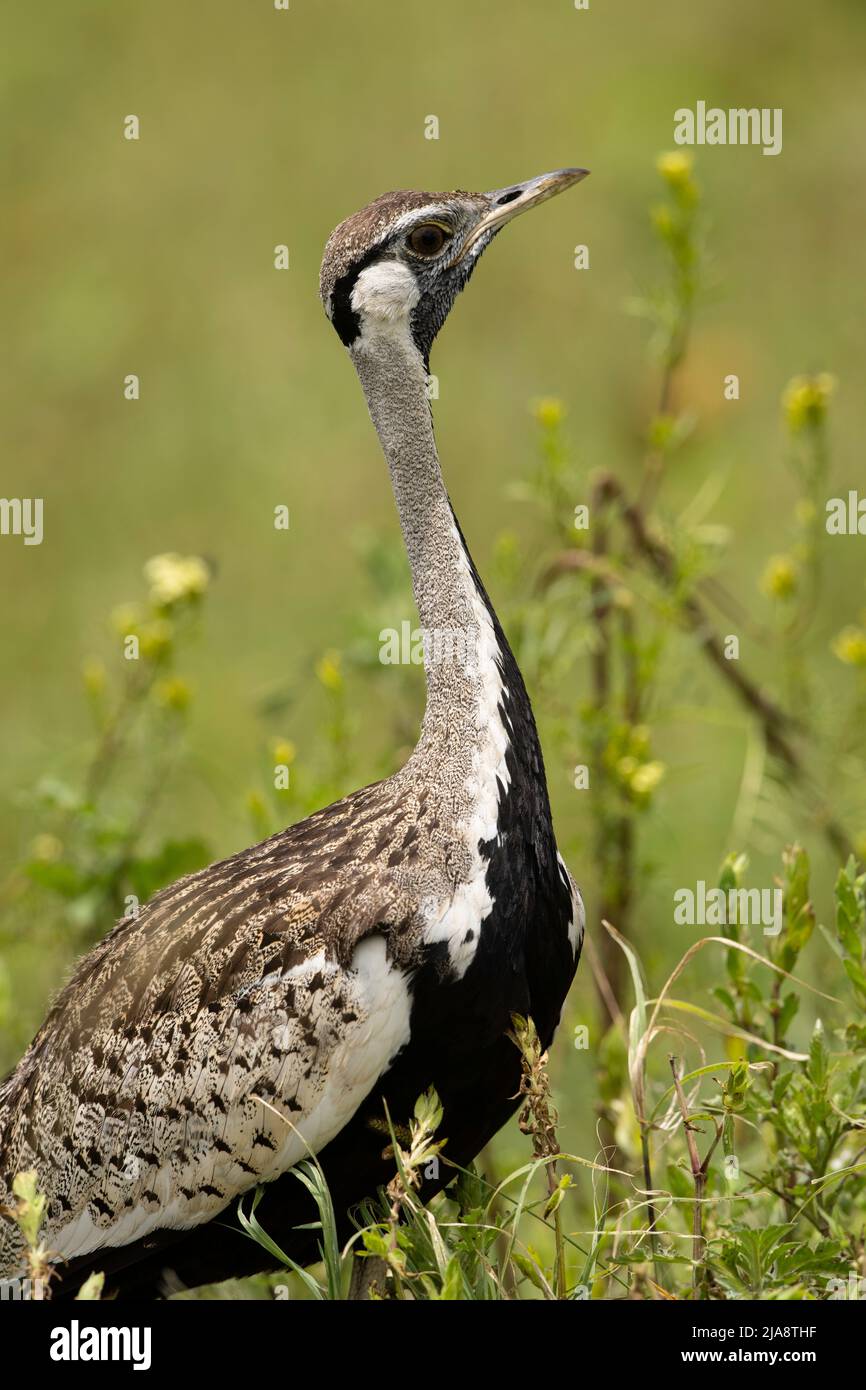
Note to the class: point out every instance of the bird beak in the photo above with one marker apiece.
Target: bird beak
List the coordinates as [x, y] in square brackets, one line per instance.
[506, 203]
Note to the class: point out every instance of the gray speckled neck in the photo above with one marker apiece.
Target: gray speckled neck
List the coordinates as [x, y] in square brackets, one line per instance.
[458, 691]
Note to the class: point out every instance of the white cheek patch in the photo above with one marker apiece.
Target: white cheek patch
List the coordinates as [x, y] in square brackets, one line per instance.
[385, 294]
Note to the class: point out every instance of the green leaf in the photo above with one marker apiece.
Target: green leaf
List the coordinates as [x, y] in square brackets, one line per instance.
[57, 876]
[91, 1289]
[790, 1005]
[256, 1233]
[819, 1057]
[680, 1183]
[855, 974]
[530, 1269]
[452, 1284]
[428, 1111]
[726, 999]
[30, 1211]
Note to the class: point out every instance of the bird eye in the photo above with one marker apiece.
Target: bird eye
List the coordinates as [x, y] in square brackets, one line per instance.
[428, 239]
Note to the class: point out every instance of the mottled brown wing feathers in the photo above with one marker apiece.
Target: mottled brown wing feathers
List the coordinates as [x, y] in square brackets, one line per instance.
[166, 1076]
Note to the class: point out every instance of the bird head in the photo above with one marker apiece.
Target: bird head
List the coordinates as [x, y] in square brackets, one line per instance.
[398, 265]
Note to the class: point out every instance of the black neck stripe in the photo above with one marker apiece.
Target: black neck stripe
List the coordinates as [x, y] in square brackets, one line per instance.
[343, 316]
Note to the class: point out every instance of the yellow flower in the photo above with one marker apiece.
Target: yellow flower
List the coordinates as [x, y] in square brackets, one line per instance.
[126, 619]
[662, 219]
[805, 401]
[850, 646]
[255, 805]
[328, 671]
[662, 430]
[549, 412]
[647, 777]
[283, 751]
[173, 693]
[93, 675]
[779, 579]
[173, 578]
[675, 168]
[155, 639]
[46, 848]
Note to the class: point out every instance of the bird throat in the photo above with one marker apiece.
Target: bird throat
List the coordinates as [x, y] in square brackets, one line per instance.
[462, 643]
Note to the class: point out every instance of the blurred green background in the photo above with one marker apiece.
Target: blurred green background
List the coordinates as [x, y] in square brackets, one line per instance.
[155, 257]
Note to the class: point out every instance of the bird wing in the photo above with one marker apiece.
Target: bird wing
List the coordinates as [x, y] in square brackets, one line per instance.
[213, 1040]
